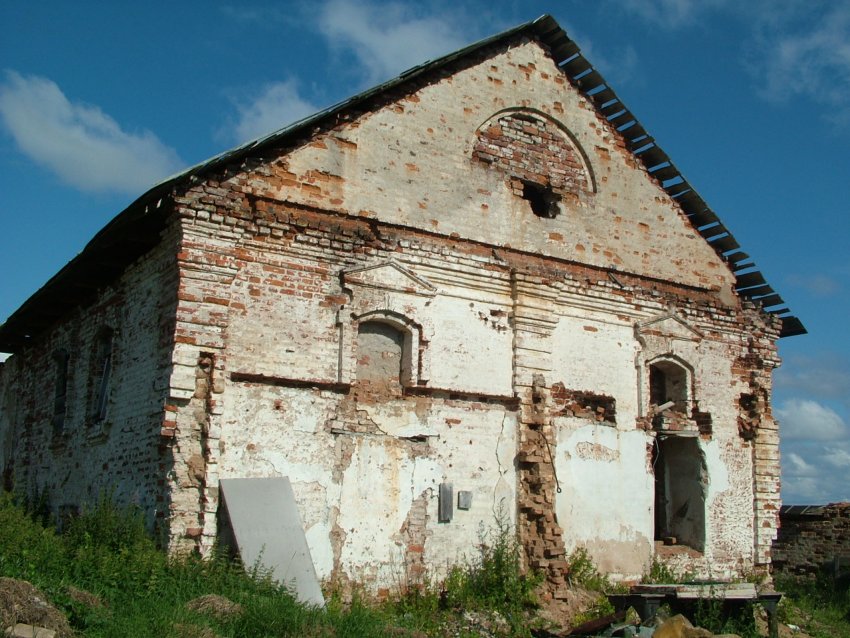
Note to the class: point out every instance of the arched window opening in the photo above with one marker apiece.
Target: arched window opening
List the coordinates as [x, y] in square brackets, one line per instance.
[61, 361]
[668, 386]
[380, 358]
[101, 373]
[681, 480]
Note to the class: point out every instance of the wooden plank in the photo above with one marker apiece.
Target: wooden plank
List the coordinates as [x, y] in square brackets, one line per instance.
[590, 81]
[747, 280]
[725, 244]
[665, 173]
[653, 157]
[770, 300]
[792, 326]
[757, 291]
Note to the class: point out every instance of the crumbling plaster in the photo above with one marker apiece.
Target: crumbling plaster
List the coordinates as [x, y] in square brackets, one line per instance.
[295, 284]
[412, 152]
[506, 316]
[119, 456]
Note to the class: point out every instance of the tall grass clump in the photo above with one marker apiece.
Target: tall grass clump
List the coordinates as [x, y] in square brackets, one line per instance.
[494, 580]
[106, 574]
[28, 548]
[662, 573]
[713, 614]
[821, 606]
[582, 572]
[134, 590]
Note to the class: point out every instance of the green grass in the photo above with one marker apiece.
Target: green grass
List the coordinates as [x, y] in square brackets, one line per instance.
[821, 607]
[494, 581]
[144, 592]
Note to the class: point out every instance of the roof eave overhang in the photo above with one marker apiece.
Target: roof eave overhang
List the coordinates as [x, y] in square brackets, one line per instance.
[129, 235]
[145, 217]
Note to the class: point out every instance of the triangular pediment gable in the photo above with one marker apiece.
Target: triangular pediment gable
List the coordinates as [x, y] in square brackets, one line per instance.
[389, 275]
[669, 325]
[139, 226]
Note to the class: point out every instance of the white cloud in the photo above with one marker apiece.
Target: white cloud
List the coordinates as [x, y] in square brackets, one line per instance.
[838, 457]
[388, 38]
[815, 474]
[278, 105]
[669, 14]
[81, 144]
[797, 466]
[794, 49]
[818, 285]
[806, 419]
[803, 490]
[822, 375]
[807, 53]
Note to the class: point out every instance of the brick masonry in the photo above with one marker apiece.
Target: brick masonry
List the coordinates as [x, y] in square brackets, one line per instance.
[813, 541]
[526, 343]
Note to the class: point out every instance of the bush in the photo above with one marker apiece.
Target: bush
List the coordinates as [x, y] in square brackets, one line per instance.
[108, 577]
[714, 615]
[821, 606]
[661, 573]
[28, 550]
[495, 580]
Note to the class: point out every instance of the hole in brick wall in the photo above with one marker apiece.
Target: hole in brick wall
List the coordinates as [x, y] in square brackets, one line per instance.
[101, 371]
[668, 382]
[587, 405]
[543, 201]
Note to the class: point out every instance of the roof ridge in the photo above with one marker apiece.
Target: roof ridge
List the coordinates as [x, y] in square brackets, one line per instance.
[751, 285]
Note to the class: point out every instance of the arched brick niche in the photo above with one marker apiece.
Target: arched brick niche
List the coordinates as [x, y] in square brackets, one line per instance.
[540, 160]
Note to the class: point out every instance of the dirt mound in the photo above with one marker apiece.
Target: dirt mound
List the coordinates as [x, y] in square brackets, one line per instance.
[86, 598]
[215, 605]
[21, 602]
[561, 614]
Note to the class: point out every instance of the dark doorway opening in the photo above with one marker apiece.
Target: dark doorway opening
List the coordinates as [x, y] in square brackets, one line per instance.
[681, 481]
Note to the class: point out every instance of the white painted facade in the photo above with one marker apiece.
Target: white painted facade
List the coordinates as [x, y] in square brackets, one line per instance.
[528, 344]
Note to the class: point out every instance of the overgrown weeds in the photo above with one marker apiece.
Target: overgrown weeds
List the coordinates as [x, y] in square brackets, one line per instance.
[106, 575]
[494, 580]
[714, 614]
[582, 572]
[662, 573]
[821, 606]
[109, 578]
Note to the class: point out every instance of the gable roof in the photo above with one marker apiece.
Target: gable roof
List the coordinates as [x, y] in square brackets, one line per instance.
[136, 229]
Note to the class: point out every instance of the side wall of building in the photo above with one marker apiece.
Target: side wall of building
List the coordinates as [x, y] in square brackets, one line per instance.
[81, 406]
[813, 542]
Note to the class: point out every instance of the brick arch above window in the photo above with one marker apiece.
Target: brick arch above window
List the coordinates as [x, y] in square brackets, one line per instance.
[533, 151]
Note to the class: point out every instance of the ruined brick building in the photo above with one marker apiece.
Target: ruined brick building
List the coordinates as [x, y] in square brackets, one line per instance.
[479, 284]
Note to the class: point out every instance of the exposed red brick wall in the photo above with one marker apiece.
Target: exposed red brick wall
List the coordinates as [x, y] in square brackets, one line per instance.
[529, 147]
[808, 542]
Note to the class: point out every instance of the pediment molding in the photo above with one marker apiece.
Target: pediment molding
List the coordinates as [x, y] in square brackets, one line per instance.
[670, 325]
[390, 276]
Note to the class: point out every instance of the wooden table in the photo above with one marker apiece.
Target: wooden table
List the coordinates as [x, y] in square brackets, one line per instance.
[646, 599]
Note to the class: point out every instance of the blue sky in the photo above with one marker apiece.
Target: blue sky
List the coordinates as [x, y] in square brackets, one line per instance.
[751, 100]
